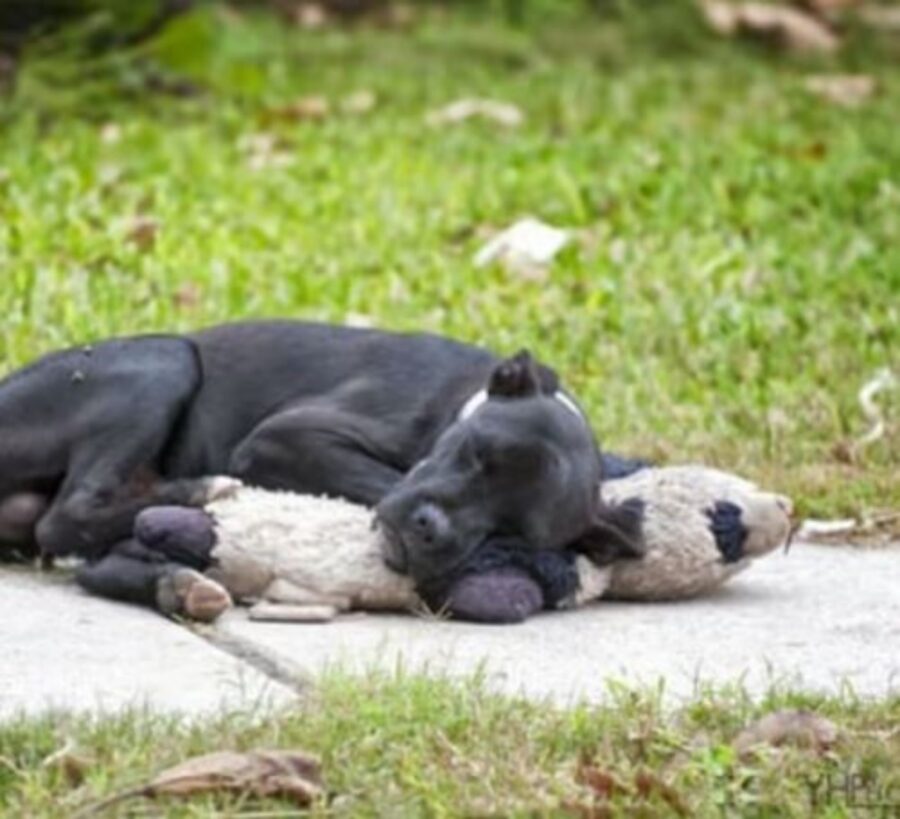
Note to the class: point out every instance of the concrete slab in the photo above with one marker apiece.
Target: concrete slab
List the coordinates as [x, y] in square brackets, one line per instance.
[63, 649]
[819, 617]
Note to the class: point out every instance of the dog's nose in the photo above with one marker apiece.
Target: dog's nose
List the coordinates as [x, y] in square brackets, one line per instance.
[430, 524]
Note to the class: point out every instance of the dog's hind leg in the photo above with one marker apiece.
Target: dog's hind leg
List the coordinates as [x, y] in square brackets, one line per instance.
[19, 514]
[129, 399]
[133, 574]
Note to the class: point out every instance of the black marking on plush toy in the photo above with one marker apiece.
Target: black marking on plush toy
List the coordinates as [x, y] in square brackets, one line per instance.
[728, 529]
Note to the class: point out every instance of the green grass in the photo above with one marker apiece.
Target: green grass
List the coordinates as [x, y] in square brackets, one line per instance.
[407, 746]
[738, 278]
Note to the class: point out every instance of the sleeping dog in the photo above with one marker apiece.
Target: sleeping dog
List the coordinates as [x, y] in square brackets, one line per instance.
[452, 446]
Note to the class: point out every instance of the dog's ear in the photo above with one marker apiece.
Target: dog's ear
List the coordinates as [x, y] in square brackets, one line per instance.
[515, 377]
[615, 534]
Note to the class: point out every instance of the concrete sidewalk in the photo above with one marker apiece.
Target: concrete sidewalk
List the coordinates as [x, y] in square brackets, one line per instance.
[61, 648]
[818, 617]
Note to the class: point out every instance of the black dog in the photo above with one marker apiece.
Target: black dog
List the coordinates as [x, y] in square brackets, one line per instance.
[451, 445]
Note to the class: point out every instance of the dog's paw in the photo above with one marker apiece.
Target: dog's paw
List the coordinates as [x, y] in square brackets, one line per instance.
[187, 593]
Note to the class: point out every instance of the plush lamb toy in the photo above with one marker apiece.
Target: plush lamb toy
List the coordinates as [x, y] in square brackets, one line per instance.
[300, 557]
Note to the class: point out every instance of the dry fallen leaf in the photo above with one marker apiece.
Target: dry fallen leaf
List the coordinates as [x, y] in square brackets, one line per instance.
[111, 133]
[187, 296]
[849, 90]
[647, 784]
[827, 8]
[503, 113]
[360, 102]
[884, 17]
[142, 232]
[786, 26]
[303, 109]
[603, 784]
[803, 729]
[264, 150]
[72, 766]
[293, 775]
[310, 15]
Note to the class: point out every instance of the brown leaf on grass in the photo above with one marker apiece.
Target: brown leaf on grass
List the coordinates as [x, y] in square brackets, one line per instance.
[187, 296]
[881, 16]
[848, 90]
[788, 27]
[603, 784]
[142, 231]
[828, 8]
[647, 784]
[293, 775]
[71, 765]
[310, 15]
[803, 729]
[304, 109]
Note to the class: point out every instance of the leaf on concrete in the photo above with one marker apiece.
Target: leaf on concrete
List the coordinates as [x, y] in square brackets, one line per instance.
[501, 113]
[803, 729]
[788, 27]
[848, 90]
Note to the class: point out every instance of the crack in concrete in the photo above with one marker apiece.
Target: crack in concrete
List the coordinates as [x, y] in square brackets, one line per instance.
[270, 663]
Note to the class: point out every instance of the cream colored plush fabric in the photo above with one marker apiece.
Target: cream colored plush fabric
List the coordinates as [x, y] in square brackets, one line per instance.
[302, 549]
[318, 552]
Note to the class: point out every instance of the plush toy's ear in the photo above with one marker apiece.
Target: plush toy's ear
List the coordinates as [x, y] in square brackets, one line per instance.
[615, 534]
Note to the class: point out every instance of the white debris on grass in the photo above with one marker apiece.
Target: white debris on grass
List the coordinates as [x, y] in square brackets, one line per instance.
[502, 113]
[525, 246]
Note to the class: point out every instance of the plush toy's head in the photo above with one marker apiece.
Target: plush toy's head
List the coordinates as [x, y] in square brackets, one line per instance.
[701, 526]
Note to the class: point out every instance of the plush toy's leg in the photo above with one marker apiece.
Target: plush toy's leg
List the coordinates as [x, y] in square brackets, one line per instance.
[497, 596]
[293, 613]
[283, 591]
[178, 533]
[131, 573]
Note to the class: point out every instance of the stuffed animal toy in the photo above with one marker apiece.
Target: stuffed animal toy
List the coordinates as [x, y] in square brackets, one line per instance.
[300, 557]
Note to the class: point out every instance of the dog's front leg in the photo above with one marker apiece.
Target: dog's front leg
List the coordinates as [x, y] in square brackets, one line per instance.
[318, 451]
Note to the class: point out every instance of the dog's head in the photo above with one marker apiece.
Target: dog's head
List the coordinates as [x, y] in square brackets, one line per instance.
[520, 462]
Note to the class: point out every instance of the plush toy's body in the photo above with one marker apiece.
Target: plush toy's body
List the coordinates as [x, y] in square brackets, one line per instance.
[310, 558]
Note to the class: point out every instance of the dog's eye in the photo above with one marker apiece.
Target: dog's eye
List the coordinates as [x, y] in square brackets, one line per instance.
[515, 460]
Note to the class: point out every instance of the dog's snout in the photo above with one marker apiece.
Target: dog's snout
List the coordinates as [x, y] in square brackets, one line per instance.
[430, 524]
